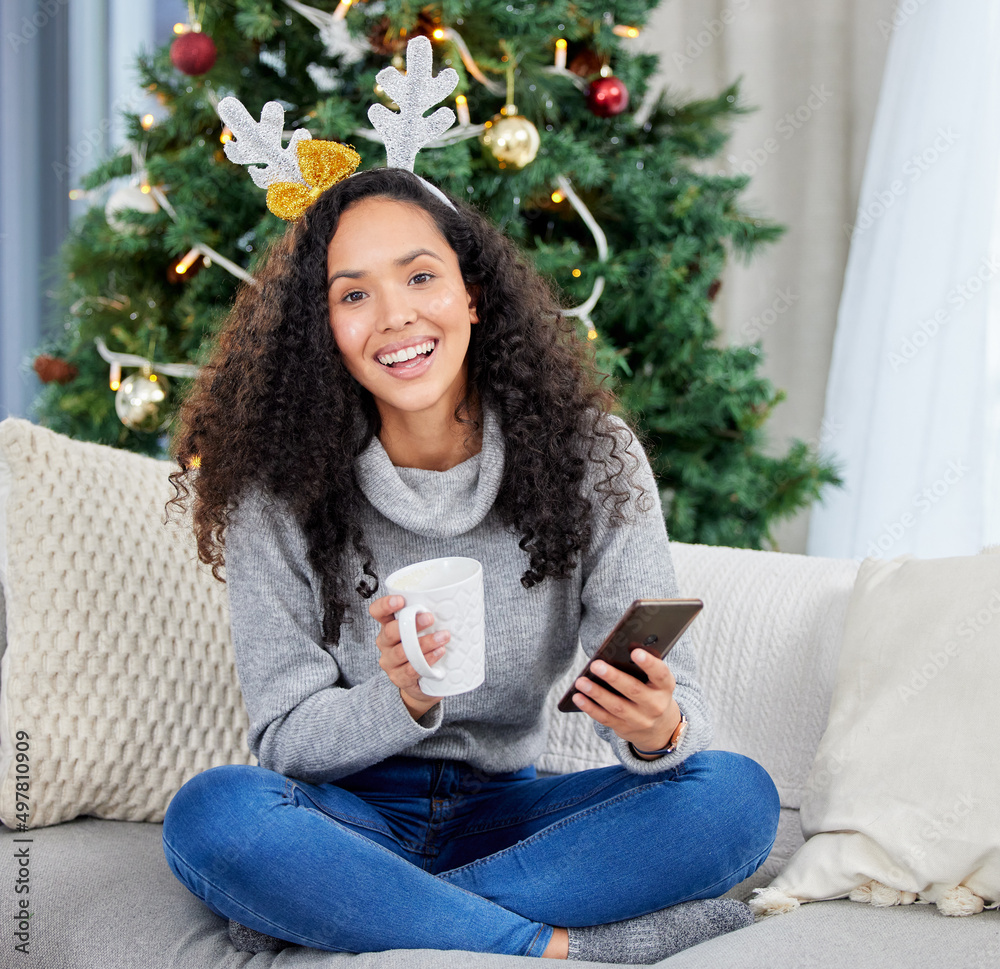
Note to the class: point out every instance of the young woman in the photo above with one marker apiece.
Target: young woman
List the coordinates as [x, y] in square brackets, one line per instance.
[401, 386]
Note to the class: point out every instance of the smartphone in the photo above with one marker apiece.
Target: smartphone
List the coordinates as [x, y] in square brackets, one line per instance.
[651, 624]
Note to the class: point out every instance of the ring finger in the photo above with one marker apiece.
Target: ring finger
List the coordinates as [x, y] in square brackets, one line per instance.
[432, 646]
[602, 697]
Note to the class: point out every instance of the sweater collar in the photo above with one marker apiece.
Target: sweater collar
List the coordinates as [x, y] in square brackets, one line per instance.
[435, 504]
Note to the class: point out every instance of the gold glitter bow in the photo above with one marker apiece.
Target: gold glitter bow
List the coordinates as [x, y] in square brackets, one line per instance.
[322, 164]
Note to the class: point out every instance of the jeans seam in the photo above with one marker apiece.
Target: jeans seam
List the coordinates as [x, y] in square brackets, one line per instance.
[508, 821]
[472, 865]
[359, 822]
[531, 945]
[418, 849]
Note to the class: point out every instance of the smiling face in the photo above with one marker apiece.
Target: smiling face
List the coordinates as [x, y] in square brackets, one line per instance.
[399, 309]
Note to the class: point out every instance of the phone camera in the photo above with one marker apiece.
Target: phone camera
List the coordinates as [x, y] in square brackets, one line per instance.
[649, 640]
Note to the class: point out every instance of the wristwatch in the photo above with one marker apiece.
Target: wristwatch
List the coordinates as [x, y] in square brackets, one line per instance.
[675, 738]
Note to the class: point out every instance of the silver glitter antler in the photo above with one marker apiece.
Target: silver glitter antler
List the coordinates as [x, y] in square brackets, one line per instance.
[405, 132]
[261, 142]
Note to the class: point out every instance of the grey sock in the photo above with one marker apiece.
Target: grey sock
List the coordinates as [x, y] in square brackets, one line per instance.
[250, 940]
[649, 938]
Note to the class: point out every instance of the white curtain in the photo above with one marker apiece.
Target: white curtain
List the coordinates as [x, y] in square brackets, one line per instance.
[913, 397]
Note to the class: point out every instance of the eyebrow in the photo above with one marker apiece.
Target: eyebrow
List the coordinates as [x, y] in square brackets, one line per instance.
[401, 261]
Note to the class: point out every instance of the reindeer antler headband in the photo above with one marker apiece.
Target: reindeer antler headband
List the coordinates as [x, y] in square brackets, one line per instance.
[297, 175]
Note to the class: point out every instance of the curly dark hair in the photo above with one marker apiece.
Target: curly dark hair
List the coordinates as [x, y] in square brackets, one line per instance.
[275, 406]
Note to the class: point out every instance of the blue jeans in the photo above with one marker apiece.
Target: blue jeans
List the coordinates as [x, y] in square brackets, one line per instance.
[435, 854]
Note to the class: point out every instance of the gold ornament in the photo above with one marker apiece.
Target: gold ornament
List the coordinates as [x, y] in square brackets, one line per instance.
[141, 401]
[510, 139]
[322, 163]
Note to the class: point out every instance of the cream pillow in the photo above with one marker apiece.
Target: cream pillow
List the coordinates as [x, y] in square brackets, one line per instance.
[118, 682]
[902, 800]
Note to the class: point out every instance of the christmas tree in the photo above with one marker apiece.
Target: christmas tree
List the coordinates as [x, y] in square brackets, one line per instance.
[622, 215]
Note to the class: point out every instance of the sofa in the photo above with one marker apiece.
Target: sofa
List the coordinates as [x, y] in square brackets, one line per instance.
[117, 675]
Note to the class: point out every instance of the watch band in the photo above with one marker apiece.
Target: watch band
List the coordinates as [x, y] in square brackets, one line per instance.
[675, 739]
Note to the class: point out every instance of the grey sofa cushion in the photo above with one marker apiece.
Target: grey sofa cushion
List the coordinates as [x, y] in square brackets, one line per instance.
[849, 935]
[102, 895]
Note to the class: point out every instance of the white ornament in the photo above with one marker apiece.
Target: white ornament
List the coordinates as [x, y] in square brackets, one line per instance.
[325, 78]
[129, 197]
[334, 33]
[339, 43]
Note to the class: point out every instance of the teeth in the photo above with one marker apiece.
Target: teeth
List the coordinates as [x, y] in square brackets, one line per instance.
[408, 354]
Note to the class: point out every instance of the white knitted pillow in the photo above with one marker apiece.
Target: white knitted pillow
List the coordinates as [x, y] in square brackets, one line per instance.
[118, 682]
[902, 798]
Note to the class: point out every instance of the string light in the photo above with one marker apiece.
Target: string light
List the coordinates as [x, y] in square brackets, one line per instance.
[450, 34]
[147, 122]
[342, 9]
[561, 52]
[622, 30]
[116, 375]
[462, 104]
[187, 262]
[576, 272]
[591, 334]
[145, 188]
[557, 196]
[75, 193]
[181, 28]
[226, 135]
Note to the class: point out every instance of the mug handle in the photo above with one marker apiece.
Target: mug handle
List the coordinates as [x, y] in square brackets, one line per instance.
[411, 645]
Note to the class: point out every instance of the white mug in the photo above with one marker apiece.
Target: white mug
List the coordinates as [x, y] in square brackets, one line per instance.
[451, 589]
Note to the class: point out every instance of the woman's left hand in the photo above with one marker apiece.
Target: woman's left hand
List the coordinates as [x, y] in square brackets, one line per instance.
[646, 714]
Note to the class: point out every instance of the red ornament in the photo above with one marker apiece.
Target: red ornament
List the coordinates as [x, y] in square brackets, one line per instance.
[607, 96]
[53, 370]
[193, 53]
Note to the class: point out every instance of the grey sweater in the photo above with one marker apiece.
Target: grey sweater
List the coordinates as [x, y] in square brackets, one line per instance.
[320, 713]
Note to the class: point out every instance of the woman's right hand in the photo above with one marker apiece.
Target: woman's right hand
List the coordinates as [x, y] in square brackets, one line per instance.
[393, 660]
